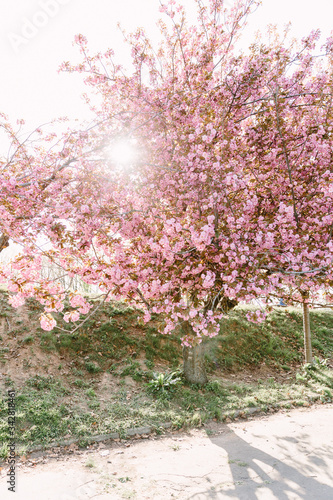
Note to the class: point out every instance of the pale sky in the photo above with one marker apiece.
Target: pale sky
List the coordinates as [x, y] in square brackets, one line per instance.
[37, 35]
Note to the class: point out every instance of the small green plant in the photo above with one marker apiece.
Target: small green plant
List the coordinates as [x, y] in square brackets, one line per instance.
[215, 387]
[22, 450]
[78, 373]
[302, 379]
[28, 339]
[238, 462]
[4, 450]
[90, 463]
[40, 383]
[321, 363]
[91, 393]
[8, 381]
[94, 405]
[271, 382]
[133, 369]
[309, 367]
[196, 419]
[149, 364]
[81, 383]
[164, 382]
[92, 367]
[326, 396]
[83, 443]
[48, 341]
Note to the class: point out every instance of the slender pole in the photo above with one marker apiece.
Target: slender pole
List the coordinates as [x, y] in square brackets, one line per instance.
[307, 333]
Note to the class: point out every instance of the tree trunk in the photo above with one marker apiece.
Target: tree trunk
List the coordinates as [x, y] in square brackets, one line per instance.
[4, 242]
[194, 364]
[307, 333]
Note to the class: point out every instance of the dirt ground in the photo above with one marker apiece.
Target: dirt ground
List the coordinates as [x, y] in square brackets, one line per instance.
[283, 456]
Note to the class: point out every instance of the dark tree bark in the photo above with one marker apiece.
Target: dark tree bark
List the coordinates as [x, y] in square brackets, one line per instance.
[194, 364]
[307, 333]
[194, 360]
[4, 241]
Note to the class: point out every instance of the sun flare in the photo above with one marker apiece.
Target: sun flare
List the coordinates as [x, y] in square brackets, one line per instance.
[123, 152]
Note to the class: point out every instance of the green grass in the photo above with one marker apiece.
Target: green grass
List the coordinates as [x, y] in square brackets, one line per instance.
[114, 344]
[116, 334]
[41, 421]
[113, 335]
[278, 341]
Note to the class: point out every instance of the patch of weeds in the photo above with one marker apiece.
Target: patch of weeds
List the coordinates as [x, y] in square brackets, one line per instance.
[300, 402]
[94, 405]
[326, 396]
[65, 342]
[149, 364]
[92, 367]
[271, 382]
[81, 383]
[8, 381]
[238, 462]
[22, 450]
[77, 373]
[91, 393]
[40, 420]
[177, 421]
[3, 351]
[162, 383]
[83, 443]
[240, 389]
[134, 370]
[27, 364]
[218, 414]
[90, 463]
[215, 387]
[250, 402]
[46, 383]
[28, 339]
[48, 341]
[301, 379]
[113, 369]
[4, 451]
[196, 419]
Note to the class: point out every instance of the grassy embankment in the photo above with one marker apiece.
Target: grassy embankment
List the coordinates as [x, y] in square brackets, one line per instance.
[96, 381]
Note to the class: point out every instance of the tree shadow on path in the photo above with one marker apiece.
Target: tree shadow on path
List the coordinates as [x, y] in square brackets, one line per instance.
[257, 475]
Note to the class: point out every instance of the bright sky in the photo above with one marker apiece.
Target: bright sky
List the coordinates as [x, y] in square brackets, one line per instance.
[37, 35]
